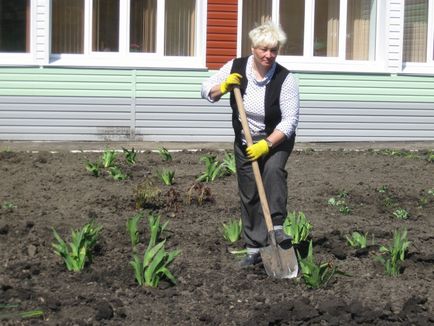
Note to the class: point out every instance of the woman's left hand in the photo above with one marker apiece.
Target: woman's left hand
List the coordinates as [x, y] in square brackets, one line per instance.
[257, 150]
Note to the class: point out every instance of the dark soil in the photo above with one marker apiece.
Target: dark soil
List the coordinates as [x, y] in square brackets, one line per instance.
[43, 190]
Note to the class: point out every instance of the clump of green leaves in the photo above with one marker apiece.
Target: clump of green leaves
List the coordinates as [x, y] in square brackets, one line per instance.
[426, 198]
[79, 251]
[232, 230]
[228, 164]
[154, 266]
[133, 229]
[166, 176]
[213, 169]
[164, 154]
[130, 155]
[297, 227]
[8, 205]
[358, 240]
[400, 214]
[108, 158]
[394, 254]
[94, 168]
[150, 270]
[340, 202]
[117, 173]
[316, 275]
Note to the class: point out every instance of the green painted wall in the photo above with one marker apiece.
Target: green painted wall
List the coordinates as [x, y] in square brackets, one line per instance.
[186, 84]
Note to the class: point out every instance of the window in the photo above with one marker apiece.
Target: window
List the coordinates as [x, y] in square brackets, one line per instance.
[15, 26]
[415, 31]
[161, 30]
[67, 29]
[340, 31]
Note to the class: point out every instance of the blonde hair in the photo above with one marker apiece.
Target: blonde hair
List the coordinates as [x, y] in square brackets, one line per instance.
[269, 34]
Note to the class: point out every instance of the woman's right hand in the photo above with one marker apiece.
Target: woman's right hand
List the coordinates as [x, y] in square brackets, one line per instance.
[232, 80]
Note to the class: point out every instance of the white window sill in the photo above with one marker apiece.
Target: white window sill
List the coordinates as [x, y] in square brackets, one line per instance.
[131, 60]
[16, 59]
[331, 65]
[418, 69]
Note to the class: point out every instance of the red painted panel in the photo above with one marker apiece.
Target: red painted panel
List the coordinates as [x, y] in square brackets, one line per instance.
[221, 32]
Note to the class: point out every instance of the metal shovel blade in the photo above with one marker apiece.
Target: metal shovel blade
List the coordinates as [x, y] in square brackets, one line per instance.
[279, 260]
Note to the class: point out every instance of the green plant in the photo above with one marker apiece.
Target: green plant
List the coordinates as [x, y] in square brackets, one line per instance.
[401, 214]
[164, 154]
[78, 252]
[393, 255]
[117, 173]
[130, 155]
[166, 176]
[108, 158]
[232, 230]
[384, 189]
[228, 164]
[7, 205]
[94, 168]
[133, 229]
[426, 197]
[155, 228]
[316, 275]
[297, 227]
[357, 240]
[19, 314]
[340, 204]
[154, 266]
[213, 169]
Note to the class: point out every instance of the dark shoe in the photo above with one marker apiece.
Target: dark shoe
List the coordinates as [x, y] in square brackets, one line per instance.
[282, 239]
[250, 260]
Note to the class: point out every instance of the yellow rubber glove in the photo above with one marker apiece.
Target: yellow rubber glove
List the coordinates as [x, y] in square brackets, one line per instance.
[257, 150]
[230, 82]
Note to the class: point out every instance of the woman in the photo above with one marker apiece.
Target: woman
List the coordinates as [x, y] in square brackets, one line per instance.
[271, 101]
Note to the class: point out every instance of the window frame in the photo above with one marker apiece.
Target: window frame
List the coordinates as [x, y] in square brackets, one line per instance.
[125, 58]
[23, 58]
[421, 67]
[309, 62]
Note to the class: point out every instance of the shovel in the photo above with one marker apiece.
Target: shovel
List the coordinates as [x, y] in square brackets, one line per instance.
[279, 260]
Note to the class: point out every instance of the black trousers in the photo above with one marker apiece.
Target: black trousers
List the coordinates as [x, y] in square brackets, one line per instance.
[274, 177]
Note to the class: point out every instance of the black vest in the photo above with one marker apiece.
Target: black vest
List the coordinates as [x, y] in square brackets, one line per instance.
[273, 114]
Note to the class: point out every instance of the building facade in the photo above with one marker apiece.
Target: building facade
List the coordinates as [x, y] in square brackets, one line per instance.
[132, 69]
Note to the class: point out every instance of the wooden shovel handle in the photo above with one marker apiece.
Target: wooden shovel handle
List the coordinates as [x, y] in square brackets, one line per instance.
[255, 165]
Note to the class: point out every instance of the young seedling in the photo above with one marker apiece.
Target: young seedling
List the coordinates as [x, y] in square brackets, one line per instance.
[214, 169]
[297, 227]
[316, 275]
[133, 229]
[166, 176]
[18, 314]
[401, 214]
[228, 164]
[108, 158]
[117, 173]
[130, 155]
[340, 204]
[9, 206]
[164, 154]
[393, 255]
[232, 230]
[154, 266]
[94, 168]
[357, 240]
[78, 252]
